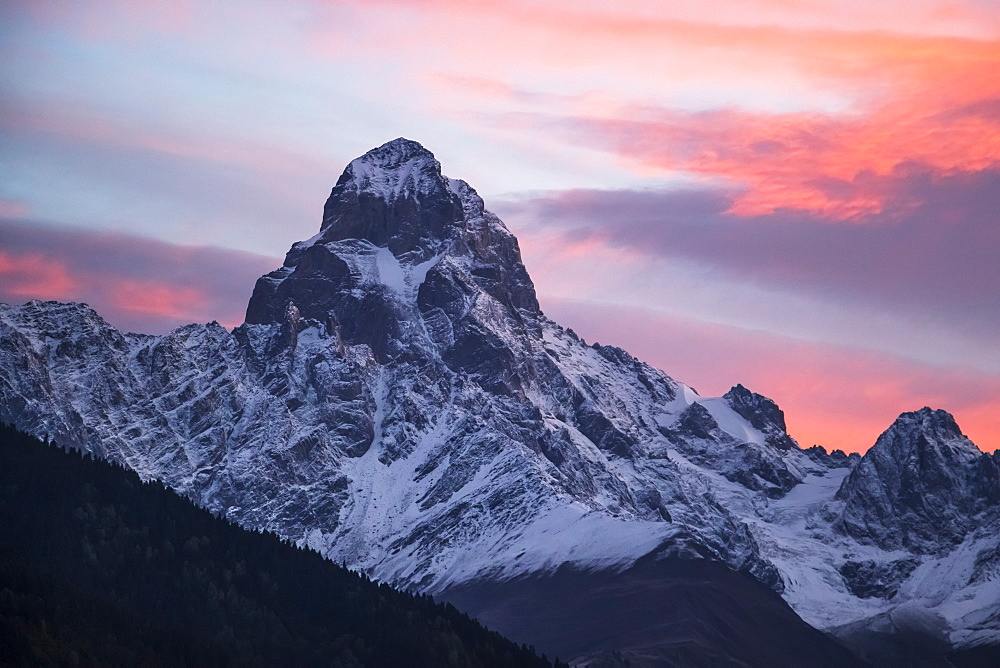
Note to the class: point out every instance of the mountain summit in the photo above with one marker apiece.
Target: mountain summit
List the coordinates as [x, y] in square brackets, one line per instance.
[397, 401]
[921, 486]
[400, 242]
[396, 197]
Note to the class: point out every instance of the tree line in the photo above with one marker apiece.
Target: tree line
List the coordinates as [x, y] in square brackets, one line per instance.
[98, 568]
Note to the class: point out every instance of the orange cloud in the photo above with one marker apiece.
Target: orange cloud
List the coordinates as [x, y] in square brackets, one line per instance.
[824, 165]
[860, 102]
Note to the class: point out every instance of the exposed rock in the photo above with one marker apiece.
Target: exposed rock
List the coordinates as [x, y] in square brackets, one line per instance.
[835, 459]
[920, 487]
[698, 434]
[763, 414]
[397, 401]
[866, 579]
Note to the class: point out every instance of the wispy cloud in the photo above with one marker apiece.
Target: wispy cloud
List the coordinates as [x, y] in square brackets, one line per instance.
[929, 254]
[158, 181]
[136, 283]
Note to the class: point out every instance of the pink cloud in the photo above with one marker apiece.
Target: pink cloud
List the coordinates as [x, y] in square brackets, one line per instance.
[828, 166]
[159, 300]
[833, 165]
[929, 257]
[136, 283]
[35, 276]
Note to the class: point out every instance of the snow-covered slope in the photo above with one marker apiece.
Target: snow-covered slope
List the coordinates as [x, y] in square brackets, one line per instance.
[397, 400]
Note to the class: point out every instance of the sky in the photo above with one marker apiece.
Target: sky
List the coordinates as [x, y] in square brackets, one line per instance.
[799, 196]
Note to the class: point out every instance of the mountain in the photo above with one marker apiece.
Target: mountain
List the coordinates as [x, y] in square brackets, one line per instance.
[97, 568]
[929, 500]
[397, 401]
[922, 487]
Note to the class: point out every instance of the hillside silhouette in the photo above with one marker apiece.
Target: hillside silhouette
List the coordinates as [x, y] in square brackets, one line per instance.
[100, 568]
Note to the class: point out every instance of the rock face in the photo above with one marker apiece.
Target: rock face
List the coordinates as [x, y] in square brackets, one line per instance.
[921, 487]
[763, 414]
[397, 400]
[762, 458]
[425, 240]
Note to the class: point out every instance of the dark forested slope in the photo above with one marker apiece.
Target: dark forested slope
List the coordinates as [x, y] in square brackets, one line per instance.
[99, 568]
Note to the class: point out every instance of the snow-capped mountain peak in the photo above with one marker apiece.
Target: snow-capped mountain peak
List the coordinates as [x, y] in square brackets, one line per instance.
[400, 243]
[396, 197]
[397, 400]
[918, 487]
[399, 168]
[763, 414]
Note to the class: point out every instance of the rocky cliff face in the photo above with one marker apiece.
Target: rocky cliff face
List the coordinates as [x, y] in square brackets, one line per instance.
[401, 243]
[763, 414]
[397, 400]
[922, 487]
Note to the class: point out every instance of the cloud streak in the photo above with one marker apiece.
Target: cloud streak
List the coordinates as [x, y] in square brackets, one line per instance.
[831, 166]
[197, 186]
[136, 283]
[930, 254]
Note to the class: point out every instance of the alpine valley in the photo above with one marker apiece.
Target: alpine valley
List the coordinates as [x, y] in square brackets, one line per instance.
[397, 401]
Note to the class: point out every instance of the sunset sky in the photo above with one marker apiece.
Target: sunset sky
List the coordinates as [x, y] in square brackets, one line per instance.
[803, 197]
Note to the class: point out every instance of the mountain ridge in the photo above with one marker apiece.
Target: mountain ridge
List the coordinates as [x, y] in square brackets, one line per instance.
[408, 409]
[97, 568]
